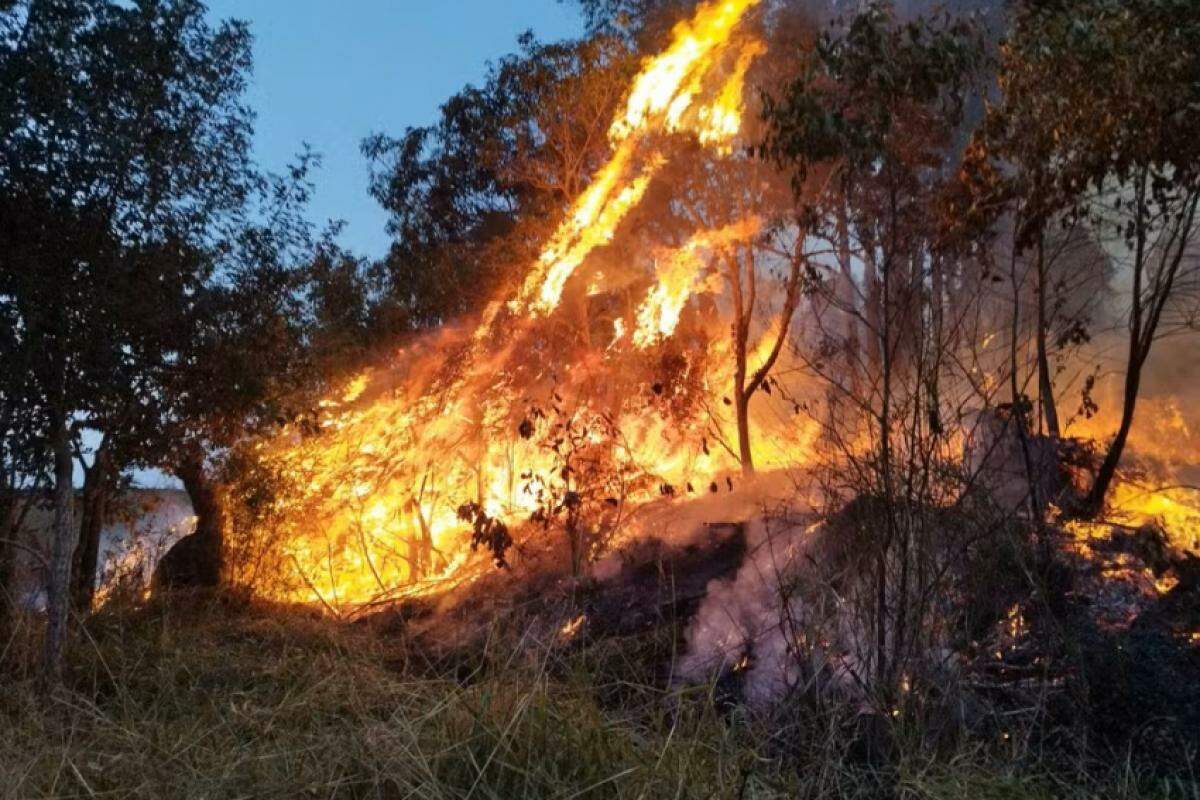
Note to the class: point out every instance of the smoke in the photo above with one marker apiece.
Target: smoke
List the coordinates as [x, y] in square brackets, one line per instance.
[743, 624]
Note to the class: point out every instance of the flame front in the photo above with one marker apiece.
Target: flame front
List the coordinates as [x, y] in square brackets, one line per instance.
[370, 502]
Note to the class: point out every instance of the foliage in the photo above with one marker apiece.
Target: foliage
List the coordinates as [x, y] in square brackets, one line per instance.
[125, 151]
[1094, 93]
[124, 163]
[603, 15]
[472, 194]
[584, 486]
[861, 88]
[487, 531]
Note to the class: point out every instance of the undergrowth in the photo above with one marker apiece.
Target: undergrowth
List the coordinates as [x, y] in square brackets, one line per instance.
[232, 700]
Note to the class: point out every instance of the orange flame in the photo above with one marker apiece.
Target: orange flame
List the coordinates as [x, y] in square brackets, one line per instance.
[372, 500]
[663, 100]
[678, 274]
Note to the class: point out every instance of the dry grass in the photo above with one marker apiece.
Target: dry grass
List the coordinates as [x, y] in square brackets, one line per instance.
[237, 702]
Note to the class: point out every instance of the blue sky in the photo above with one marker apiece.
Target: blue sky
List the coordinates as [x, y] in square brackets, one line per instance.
[329, 73]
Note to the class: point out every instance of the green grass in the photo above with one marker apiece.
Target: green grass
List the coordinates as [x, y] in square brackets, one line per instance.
[238, 702]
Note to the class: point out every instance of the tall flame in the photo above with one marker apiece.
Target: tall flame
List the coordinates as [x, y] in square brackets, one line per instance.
[663, 100]
[373, 498]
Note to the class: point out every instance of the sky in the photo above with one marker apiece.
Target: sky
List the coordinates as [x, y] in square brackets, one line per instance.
[329, 73]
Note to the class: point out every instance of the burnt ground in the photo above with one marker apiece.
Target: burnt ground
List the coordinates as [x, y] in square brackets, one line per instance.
[658, 584]
[1132, 657]
[649, 592]
[1105, 665]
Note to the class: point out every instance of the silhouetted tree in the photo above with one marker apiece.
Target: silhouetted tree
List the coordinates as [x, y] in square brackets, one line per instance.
[124, 159]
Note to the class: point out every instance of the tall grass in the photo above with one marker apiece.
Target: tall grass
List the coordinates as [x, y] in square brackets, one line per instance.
[249, 701]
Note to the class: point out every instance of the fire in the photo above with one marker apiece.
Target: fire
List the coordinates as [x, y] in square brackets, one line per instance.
[370, 505]
[1176, 509]
[670, 82]
[679, 272]
[601, 208]
[1151, 490]
[572, 627]
[663, 100]
[723, 119]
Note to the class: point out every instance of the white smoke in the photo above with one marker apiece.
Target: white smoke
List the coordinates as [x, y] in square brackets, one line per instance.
[753, 623]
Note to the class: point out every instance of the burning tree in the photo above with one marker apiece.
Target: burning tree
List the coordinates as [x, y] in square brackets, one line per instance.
[828, 283]
[481, 188]
[1112, 153]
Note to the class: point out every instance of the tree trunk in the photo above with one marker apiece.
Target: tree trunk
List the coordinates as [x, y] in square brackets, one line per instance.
[95, 509]
[1133, 367]
[64, 533]
[196, 560]
[885, 445]
[1019, 401]
[743, 307]
[741, 407]
[8, 590]
[847, 296]
[1108, 468]
[1045, 379]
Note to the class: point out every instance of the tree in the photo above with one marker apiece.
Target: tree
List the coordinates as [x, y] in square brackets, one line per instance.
[124, 153]
[1096, 129]
[346, 320]
[630, 16]
[728, 215]
[475, 192]
[243, 367]
[763, 265]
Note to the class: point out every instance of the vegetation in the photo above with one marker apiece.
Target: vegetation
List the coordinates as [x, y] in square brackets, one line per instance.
[225, 699]
[637, 282]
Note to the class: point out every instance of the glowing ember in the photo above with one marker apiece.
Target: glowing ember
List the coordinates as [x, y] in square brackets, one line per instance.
[572, 627]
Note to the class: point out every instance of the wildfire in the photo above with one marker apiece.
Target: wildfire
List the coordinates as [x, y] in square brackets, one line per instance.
[1153, 490]
[663, 100]
[373, 504]
[535, 414]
